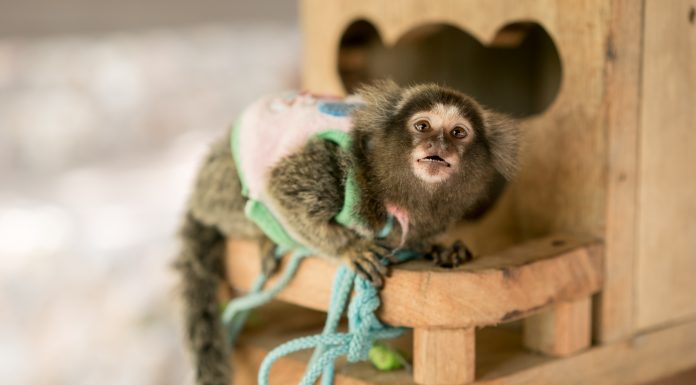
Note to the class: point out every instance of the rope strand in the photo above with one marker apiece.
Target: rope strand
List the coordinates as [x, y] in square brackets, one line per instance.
[363, 326]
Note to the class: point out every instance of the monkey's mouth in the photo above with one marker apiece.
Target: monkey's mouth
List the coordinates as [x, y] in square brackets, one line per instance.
[434, 160]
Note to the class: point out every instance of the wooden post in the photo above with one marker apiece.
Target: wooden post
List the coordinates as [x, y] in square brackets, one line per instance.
[444, 356]
[561, 330]
[614, 311]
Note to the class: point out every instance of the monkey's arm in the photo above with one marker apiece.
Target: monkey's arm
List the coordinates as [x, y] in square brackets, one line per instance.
[308, 188]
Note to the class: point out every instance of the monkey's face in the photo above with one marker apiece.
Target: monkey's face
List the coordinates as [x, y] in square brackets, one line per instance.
[440, 137]
[433, 149]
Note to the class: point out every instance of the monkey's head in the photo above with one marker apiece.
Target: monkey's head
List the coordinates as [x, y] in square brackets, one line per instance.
[436, 139]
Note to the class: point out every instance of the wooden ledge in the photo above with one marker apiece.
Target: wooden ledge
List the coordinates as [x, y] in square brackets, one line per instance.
[491, 289]
[501, 358]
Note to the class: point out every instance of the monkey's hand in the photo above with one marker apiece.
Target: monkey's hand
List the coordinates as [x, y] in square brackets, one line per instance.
[365, 257]
[449, 257]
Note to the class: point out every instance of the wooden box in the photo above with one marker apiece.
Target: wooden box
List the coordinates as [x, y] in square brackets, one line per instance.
[613, 154]
[605, 91]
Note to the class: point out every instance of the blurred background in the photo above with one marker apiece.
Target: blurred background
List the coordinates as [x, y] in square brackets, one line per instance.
[106, 108]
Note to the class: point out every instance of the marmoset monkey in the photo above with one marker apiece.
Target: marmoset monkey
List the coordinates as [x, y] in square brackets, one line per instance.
[426, 155]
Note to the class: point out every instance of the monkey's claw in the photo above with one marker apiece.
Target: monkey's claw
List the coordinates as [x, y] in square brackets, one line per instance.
[366, 259]
[450, 257]
[369, 267]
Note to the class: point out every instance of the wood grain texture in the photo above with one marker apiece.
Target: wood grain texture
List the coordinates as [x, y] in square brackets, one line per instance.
[686, 377]
[444, 356]
[265, 333]
[615, 315]
[496, 288]
[560, 330]
[667, 192]
[501, 360]
[645, 357]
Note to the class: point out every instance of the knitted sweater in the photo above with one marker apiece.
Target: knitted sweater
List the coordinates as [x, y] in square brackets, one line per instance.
[273, 128]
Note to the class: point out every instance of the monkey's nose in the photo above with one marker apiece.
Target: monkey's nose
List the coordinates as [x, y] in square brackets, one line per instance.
[438, 144]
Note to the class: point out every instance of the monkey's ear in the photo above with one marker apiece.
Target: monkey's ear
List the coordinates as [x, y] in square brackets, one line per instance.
[379, 91]
[379, 97]
[502, 135]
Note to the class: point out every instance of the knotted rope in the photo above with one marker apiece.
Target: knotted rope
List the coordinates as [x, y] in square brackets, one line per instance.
[363, 326]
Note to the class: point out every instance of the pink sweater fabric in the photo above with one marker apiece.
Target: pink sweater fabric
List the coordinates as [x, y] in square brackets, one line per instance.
[275, 126]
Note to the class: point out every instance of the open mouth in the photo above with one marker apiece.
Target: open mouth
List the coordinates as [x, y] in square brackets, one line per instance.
[435, 160]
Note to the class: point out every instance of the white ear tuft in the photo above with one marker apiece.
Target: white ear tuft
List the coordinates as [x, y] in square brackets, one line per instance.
[502, 134]
[380, 97]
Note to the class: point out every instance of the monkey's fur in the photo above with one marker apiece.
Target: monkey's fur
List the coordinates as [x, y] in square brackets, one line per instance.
[308, 187]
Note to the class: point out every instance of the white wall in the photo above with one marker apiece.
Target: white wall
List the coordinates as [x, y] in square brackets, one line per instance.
[100, 134]
[44, 17]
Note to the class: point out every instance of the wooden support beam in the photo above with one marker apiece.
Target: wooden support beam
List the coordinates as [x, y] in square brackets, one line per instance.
[444, 356]
[561, 330]
[615, 316]
[491, 289]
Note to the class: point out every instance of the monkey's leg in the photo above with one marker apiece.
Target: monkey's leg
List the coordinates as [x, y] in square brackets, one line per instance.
[217, 195]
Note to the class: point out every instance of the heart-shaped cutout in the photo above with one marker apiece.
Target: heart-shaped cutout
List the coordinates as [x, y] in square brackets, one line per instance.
[519, 72]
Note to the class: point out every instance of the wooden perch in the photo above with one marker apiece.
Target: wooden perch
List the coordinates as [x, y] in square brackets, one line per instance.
[501, 360]
[491, 289]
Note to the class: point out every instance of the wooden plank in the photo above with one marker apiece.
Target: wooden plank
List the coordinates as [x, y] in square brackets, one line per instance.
[667, 197]
[687, 377]
[561, 330]
[496, 288]
[444, 356]
[615, 315]
[644, 358]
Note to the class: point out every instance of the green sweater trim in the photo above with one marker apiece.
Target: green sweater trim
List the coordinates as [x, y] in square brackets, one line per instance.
[234, 147]
[269, 224]
[347, 216]
[255, 210]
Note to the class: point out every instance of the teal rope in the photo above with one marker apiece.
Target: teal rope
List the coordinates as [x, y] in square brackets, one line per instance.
[363, 326]
[237, 310]
[339, 297]
[363, 330]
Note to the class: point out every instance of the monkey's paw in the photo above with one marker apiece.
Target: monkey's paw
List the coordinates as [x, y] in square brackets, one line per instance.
[449, 257]
[365, 258]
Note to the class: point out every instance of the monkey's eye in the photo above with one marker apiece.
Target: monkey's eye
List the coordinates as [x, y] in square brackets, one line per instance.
[459, 133]
[422, 125]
